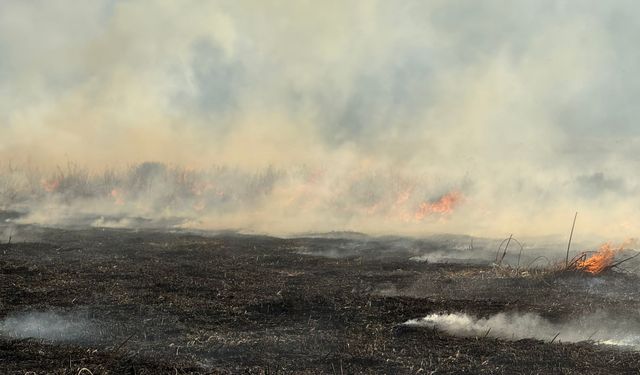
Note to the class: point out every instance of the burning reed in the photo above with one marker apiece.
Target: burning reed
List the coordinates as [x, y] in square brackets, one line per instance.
[601, 260]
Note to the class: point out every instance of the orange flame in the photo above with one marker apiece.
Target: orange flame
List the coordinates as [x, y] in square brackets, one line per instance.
[604, 257]
[444, 205]
[599, 261]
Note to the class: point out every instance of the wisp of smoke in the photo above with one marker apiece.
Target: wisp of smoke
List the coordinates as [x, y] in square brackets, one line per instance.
[48, 326]
[598, 327]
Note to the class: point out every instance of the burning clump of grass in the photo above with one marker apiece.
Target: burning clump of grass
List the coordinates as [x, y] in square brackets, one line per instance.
[601, 260]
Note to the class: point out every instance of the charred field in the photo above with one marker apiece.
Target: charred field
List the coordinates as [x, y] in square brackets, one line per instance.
[148, 301]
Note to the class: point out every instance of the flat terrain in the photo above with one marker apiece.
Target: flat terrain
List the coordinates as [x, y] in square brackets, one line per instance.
[151, 302]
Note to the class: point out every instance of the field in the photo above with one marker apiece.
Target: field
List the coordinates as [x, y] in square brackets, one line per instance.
[116, 301]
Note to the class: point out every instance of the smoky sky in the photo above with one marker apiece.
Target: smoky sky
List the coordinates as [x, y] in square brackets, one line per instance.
[528, 106]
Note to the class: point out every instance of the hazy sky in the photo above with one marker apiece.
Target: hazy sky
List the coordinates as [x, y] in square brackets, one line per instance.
[529, 107]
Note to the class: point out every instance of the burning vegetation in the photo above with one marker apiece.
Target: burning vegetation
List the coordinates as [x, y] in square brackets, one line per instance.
[219, 194]
[598, 262]
[442, 206]
[607, 257]
[601, 260]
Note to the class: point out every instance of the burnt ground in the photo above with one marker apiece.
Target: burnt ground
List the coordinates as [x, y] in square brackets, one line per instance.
[153, 302]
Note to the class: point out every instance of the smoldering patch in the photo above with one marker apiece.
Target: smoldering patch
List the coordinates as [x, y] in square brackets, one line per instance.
[598, 328]
[48, 325]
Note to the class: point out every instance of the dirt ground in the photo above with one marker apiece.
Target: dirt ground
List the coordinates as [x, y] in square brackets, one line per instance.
[153, 302]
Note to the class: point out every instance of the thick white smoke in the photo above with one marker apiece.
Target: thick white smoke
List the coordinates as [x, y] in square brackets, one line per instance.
[599, 328]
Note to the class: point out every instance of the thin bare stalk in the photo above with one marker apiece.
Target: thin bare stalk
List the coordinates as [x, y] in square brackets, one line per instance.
[505, 248]
[566, 261]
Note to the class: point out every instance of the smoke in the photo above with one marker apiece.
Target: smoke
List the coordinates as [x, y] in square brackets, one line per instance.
[48, 326]
[598, 327]
[324, 113]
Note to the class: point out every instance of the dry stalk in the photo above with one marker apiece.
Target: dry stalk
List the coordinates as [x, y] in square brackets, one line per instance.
[124, 342]
[624, 260]
[566, 263]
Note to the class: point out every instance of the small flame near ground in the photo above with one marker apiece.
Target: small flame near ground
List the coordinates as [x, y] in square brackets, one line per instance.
[603, 258]
[600, 261]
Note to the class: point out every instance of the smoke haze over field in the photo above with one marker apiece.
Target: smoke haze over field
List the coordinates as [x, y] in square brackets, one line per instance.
[485, 118]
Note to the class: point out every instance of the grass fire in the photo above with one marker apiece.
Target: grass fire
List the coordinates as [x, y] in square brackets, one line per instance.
[319, 187]
[601, 260]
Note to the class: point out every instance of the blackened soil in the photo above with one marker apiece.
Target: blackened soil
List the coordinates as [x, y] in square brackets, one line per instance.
[176, 303]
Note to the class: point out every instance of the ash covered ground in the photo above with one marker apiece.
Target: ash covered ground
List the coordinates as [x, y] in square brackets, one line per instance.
[150, 301]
